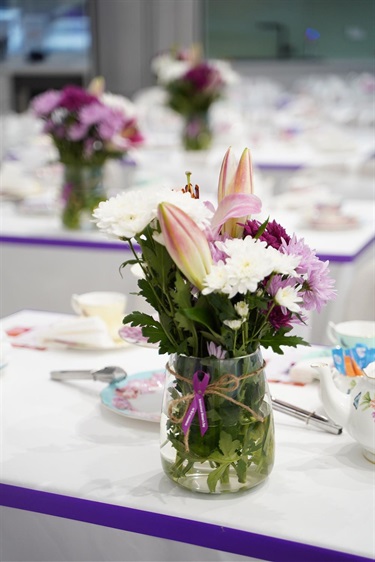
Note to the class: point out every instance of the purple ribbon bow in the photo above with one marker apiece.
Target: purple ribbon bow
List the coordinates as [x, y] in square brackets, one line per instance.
[197, 405]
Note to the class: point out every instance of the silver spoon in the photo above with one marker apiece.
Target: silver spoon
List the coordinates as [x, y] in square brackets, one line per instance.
[107, 374]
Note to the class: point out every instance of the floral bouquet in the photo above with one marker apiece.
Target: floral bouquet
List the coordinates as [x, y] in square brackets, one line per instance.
[222, 284]
[173, 63]
[87, 127]
[192, 85]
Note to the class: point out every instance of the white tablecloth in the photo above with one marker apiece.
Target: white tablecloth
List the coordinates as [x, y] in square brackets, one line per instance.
[88, 477]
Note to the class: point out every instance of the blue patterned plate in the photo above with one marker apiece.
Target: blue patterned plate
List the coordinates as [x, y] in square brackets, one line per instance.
[139, 396]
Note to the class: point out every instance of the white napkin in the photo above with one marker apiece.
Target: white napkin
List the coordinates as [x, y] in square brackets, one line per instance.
[77, 332]
[16, 182]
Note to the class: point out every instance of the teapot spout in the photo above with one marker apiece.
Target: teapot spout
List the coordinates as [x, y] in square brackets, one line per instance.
[335, 402]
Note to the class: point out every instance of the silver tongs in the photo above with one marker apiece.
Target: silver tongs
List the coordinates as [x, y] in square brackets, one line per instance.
[107, 374]
[311, 418]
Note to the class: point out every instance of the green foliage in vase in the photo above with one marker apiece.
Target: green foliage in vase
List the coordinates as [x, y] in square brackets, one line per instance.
[238, 441]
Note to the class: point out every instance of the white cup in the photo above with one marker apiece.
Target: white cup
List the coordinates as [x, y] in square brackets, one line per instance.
[107, 305]
[348, 334]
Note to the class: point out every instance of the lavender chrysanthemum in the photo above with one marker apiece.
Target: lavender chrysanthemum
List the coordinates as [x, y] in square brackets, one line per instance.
[318, 287]
[46, 102]
[217, 351]
[317, 284]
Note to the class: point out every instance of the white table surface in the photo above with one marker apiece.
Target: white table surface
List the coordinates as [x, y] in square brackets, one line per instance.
[58, 439]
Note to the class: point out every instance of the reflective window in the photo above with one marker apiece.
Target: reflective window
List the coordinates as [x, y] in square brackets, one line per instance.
[299, 29]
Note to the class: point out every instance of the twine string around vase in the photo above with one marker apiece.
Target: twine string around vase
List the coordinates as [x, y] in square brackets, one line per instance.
[225, 384]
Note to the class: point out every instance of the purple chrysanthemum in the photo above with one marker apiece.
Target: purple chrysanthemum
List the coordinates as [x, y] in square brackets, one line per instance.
[74, 97]
[203, 77]
[273, 235]
[278, 319]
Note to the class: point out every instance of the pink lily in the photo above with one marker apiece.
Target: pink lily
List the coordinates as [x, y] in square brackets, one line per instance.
[231, 207]
[185, 242]
[235, 179]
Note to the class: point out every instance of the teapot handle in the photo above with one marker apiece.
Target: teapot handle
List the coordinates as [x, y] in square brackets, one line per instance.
[331, 333]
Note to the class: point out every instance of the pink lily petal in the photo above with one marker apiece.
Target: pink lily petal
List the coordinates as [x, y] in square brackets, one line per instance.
[243, 181]
[234, 206]
[227, 174]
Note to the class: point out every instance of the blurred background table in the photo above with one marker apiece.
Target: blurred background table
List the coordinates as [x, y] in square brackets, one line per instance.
[43, 265]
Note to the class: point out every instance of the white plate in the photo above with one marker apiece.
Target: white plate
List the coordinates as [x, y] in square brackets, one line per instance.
[133, 335]
[139, 396]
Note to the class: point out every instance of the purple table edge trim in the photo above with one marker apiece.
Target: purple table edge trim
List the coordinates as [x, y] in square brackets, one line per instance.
[64, 242]
[206, 535]
[265, 166]
[121, 246]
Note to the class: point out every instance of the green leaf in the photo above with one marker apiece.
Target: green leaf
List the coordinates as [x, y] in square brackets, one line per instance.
[182, 295]
[222, 305]
[201, 315]
[275, 341]
[241, 470]
[152, 330]
[148, 293]
[214, 476]
[262, 228]
[227, 446]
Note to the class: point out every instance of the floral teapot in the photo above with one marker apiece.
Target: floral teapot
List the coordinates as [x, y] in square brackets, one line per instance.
[355, 411]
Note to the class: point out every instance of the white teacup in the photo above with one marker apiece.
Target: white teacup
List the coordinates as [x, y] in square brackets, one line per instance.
[107, 305]
[348, 334]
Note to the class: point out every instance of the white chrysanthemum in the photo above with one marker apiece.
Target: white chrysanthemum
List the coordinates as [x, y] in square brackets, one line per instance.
[242, 309]
[216, 280]
[284, 263]
[120, 103]
[228, 75]
[288, 297]
[126, 214]
[168, 69]
[248, 263]
[234, 324]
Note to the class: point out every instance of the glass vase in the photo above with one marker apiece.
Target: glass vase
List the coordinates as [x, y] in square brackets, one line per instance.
[217, 429]
[197, 134]
[82, 191]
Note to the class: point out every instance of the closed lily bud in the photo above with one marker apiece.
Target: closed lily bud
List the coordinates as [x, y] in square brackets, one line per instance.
[97, 86]
[185, 242]
[235, 180]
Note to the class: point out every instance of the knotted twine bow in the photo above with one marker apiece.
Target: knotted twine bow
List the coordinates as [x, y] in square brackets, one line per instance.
[225, 385]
